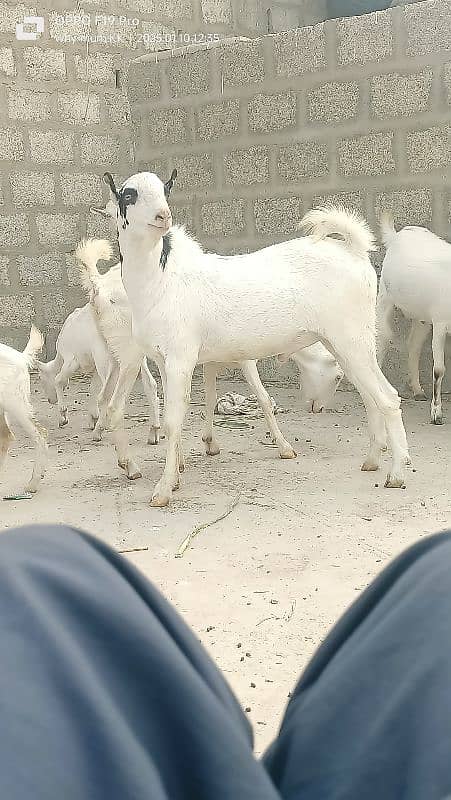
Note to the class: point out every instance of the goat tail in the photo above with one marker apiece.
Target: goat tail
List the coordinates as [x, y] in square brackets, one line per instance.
[320, 223]
[88, 253]
[34, 346]
[388, 230]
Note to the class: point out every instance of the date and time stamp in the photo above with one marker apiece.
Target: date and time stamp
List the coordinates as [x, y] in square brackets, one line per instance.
[108, 29]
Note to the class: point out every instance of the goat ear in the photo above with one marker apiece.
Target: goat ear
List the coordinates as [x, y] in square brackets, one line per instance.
[108, 179]
[170, 183]
[108, 211]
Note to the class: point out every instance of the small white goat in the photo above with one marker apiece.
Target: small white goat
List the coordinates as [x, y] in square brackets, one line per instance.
[187, 308]
[80, 347]
[113, 317]
[15, 403]
[416, 278]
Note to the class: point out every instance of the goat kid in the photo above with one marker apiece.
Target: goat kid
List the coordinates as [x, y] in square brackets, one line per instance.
[15, 403]
[187, 308]
[416, 279]
[80, 347]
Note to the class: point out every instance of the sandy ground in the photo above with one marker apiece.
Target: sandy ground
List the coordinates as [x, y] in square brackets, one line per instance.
[262, 587]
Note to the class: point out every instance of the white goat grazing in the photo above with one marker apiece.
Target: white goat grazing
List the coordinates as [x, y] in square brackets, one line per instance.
[187, 308]
[416, 278]
[15, 403]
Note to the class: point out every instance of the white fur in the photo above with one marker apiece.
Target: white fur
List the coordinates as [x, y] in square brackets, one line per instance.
[416, 278]
[113, 316]
[15, 403]
[206, 308]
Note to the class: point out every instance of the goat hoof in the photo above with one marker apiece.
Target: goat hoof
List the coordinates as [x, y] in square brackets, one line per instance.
[395, 483]
[437, 419]
[288, 453]
[212, 449]
[31, 488]
[154, 436]
[159, 501]
[369, 466]
[181, 467]
[62, 423]
[419, 396]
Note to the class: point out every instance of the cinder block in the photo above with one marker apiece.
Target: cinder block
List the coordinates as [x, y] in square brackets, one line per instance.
[365, 38]
[169, 126]
[218, 120]
[43, 270]
[241, 63]
[16, 310]
[183, 215]
[44, 65]
[78, 107]
[97, 68]
[53, 309]
[333, 102]
[10, 15]
[98, 227]
[300, 51]
[397, 95]
[107, 150]
[251, 17]
[446, 83]
[428, 27]
[272, 112]
[11, 145]
[217, 12]
[371, 154]
[7, 65]
[189, 73]
[193, 171]
[408, 206]
[303, 161]
[32, 188]
[346, 199]
[223, 218]
[429, 149]
[14, 230]
[245, 167]
[58, 229]
[51, 147]
[72, 27]
[275, 216]
[118, 107]
[143, 82]
[29, 105]
[81, 189]
[4, 271]
[156, 36]
[173, 9]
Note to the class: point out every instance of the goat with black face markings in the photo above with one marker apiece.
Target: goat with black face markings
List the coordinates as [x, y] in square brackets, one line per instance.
[188, 309]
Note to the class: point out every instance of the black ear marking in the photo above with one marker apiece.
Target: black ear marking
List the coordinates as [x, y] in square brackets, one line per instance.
[169, 184]
[166, 249]
[108, 179]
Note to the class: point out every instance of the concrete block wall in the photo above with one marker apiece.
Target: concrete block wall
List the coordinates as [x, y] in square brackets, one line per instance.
[64, 120]
[355, 110]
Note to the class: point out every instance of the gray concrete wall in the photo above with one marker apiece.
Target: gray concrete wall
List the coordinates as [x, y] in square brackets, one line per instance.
[356, 110]
[64, 119]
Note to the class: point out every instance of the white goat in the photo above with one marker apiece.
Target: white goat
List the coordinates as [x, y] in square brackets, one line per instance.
[187, 308]
[113, 316]
[80, 347]
[320, 374]
[15, 403]
[416, 278]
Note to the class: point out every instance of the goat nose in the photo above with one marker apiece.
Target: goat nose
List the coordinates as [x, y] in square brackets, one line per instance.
[163, 215]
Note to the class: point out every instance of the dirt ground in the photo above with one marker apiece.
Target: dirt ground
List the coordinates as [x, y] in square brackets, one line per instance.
[262, 587]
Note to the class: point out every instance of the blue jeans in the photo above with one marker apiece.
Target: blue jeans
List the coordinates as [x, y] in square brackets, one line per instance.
[105, 694]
